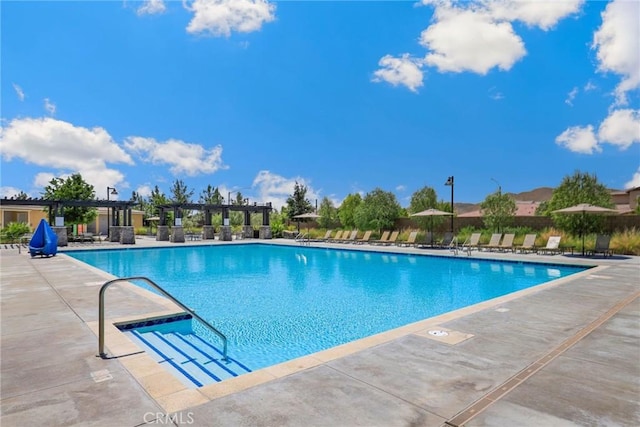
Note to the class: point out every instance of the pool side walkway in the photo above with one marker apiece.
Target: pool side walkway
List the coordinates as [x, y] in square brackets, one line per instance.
[566, 353]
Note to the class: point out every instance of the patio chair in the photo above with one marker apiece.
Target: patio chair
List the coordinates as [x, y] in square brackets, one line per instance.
[411, 240]
[447, 239]
[471, 242]
[528, 245]
[392, 238]
[337, 237]
[602, 246]
[553, 246]
[365, 238]
[494, 242]
[427, 241]
[350, 238]
[326, 236]
[507, 243]
[384, 238]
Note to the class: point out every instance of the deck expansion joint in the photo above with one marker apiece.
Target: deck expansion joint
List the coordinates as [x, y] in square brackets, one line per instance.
[501, 390]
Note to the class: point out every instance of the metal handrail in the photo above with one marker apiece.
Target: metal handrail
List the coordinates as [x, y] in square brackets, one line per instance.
[104, 287]
[301, 238]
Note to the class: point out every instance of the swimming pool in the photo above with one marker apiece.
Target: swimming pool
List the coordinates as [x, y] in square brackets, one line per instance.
[276, 303]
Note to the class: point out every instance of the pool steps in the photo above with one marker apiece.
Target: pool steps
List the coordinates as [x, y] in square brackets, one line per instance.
[191, 359]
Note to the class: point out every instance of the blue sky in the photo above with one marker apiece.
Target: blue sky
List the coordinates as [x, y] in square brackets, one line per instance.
[342, 97]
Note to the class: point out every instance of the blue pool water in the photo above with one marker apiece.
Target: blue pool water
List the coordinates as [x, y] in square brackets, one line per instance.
[276, 303]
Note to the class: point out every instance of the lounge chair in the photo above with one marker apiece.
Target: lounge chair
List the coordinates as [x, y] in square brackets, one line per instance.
[365, 238]
[493, 242]
[528, 245]
[326, 236]
[553, 246]
[507, 243]
[392, 238]
[351, 238]
[383, 239]
[447, 240]
[427, 241]
[602, 246]
[337, 237]
[471, 243]
[411, 240]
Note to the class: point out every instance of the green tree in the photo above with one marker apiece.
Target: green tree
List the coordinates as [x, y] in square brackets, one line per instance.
[421, 200]
[157, 199]
[573, 190]
[297, 203]
[72, 188]
[211, 196]
[498, 211]
[328, 214]
[347, 210]
[180, 193]
[379, 210]
[142, 204]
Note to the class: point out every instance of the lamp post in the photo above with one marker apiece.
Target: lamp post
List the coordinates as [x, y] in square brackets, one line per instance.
[499, 204]
[110, 191]
[450, 183]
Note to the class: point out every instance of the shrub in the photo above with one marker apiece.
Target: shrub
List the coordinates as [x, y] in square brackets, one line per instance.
[627, 242]
[14, 230]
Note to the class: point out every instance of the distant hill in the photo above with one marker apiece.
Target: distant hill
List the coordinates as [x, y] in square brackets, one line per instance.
[536, 195]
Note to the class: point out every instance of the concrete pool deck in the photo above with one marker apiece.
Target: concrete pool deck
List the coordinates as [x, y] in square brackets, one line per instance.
[566, 353]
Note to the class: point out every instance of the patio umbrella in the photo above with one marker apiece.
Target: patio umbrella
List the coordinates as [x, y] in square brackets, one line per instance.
[584, 209]
[306, 216]
[431, 213]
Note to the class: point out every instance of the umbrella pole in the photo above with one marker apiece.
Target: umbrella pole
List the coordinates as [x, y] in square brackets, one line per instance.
[582, 233]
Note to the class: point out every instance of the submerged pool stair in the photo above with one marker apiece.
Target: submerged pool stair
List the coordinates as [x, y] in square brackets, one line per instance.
[190, 358]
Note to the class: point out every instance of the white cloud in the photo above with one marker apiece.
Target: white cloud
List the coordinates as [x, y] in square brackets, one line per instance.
[9, 191]
[621, 128]
[42, 179]
[470, 40]
[571, 96]
[49, 106]
[401, 188]
[221, 17]
[579, 140]
[590, 86]
[151, 7]
[495, 94]
[277, 189]
[634, 182]
[19, 92]
[400, 71]
[60, 145]
[144, 190]
[184, 158]
[542, 14]
[617, 42]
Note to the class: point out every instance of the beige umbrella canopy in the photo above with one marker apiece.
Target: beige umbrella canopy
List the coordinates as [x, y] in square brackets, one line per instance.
[583, 209]
[432, 212]
[305, 216]
[309, 215]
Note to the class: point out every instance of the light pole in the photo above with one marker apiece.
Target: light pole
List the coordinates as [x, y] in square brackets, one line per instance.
[450, 183]
[110, 191]
[499, 204]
